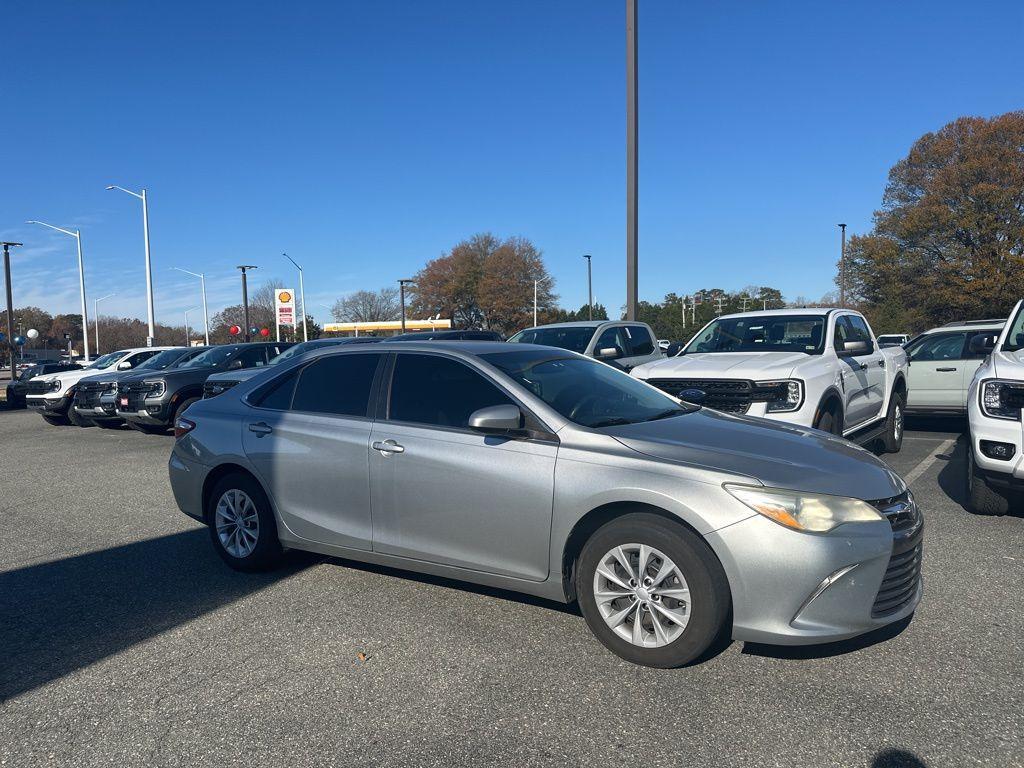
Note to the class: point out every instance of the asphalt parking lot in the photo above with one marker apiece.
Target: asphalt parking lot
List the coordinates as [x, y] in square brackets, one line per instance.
[125, 641]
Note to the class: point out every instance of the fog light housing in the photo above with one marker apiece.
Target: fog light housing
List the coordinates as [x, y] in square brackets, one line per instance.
[999, 451]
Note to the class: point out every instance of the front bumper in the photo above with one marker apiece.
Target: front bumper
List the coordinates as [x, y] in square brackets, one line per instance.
[49, 404]
[152, 412]
[981, 427]
[780, 580]
[105, 411]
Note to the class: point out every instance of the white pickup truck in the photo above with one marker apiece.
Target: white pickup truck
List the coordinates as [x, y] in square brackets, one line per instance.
[995, 464]
[820, 368]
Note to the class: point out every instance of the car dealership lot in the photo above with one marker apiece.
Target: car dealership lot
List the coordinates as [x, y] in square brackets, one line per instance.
[126, 641]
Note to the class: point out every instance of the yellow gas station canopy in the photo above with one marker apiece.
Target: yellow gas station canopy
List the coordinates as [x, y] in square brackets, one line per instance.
[387, 325]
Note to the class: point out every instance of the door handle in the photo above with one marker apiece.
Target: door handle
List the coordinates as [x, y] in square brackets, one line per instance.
[388, 447]
[945, 370]
[863, 366]
[261, 428]
[881, 363]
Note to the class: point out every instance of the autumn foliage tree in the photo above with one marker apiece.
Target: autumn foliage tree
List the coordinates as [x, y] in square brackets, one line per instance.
[948, 242]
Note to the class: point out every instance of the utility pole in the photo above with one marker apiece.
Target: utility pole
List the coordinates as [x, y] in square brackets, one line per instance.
[632, 146]
[745, 299]
[151, 339]
[96, 318]
[684, 311]
[842, 267]
[245, 298]
[10, 300]
[590, 290]
[202, 285]
[302, 298]
[401, 292]
[719, 301]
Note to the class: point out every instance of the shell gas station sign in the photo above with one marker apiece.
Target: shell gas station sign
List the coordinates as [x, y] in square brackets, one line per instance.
[284, 306]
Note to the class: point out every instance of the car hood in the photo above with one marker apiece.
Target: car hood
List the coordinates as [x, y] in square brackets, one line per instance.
[731, 365]
[778, 455]
[239, 374]
[102, 376]
[71, 377]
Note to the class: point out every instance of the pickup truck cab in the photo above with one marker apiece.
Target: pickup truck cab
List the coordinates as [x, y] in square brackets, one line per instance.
[53, 395]
[995, 465]
[623, 344]
[942, 365]
[817, 367]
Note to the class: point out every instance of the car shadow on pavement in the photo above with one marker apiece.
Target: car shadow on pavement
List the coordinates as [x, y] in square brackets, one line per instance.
[827, 650]
[60, 616]
[953, 479]
[897, 758]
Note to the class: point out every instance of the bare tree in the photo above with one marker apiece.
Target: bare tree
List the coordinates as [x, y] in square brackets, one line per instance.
[368, 306]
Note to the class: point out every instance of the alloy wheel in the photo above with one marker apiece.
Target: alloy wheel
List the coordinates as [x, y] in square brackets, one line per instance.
[238, 524]
[642, 595]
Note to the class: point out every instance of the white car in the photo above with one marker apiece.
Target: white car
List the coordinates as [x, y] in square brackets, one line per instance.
[53, 395]
[893, 339]
[942, 365]
[995, 467]
[623, 344]
[818, 368]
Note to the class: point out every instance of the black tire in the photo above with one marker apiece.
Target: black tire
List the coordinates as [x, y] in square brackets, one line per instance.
[828, 421]
[77, 420]
[709, 588]
[982, 498]
[267, 551]
[181, 408]
[55, 419]
[109, 424]
[892, 438]
[149, 429]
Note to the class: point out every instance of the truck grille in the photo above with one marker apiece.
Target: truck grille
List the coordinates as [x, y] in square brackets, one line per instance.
[729, 395]
[87, 394]
[903, 575]
[214, 388]
[136, 393]
[37, 387]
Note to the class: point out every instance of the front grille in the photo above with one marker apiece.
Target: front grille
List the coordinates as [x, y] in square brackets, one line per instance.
[903, 574]
[87, 394]
[37, 387]
[136, 393]
[214, 388]
[729, 395]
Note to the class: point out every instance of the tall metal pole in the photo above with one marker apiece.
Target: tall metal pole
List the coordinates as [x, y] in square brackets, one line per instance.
[245, 299]
[81, 287]
[10, 301]
[590, 290]
[206, 314]
[534, 303]
[401, 291]
[151, 340]
[302, 297]
[632, 297]
[842, 267]
[96, 318]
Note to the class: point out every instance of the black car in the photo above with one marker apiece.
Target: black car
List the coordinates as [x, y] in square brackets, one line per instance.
[152, 402]
[466, 335]
[16, 389]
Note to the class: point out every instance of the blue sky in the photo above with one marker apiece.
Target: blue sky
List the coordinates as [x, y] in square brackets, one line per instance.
[365, 138]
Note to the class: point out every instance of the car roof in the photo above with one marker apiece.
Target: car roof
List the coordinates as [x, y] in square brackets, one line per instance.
[575, 324]
[974, 325]
[788, 311]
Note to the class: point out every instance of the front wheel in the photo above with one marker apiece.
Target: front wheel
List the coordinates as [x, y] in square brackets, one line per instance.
[54, 419]
[242, 525]
[78, 420]
[652, 591]
[828, 421]
[982, 498]
[892, 438]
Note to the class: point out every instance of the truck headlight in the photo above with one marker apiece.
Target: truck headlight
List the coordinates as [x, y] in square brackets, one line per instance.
[811, 512]
[790, 395]
[1001, 399]
[55, 385]
[156, 388]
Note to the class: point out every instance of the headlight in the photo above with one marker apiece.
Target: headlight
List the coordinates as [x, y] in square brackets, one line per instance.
[156, 388]
[1001, 399]
[817, 513]
[789, 397]
[55, 385]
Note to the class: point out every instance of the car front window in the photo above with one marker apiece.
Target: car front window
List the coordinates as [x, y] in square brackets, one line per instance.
[585, 391]
[106, 360]
[765, 333]
[573, 339]
[1015, 336]
[212, 358]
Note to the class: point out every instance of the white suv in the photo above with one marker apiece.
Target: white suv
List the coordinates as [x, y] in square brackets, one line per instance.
[942, 365]
[623, 344]
[995, 467]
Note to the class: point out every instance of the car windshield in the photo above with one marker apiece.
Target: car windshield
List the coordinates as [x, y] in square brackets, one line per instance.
[1015, 336]
[163, 360]
[212, 358]
[305, 346]
[585, 391]
[762, 333]
[106, 360]
[573, 338]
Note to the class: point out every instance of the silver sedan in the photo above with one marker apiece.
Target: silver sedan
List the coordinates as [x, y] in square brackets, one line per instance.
[542, 471]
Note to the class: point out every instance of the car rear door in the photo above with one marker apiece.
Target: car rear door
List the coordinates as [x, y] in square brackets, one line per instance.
[308, 438]
[935, 378]
[447, 494]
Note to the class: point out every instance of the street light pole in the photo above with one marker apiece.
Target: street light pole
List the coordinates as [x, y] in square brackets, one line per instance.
[10, 301]
[401, 291]
[632, 146]
[81, 281]
[151, 340]
[842, 267]
[590, 290]
[206, 314]
[245, 297]
[302, 297]
[96, 318]
[188, 336]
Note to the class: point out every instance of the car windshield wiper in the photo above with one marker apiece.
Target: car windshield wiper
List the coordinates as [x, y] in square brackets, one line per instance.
[668, 413]
[612, 422]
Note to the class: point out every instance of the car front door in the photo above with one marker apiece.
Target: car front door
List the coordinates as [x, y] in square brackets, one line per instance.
[936, 373]
[308, 438]
[872, 365]
[444, 493]
[642, 346]
[856, 380]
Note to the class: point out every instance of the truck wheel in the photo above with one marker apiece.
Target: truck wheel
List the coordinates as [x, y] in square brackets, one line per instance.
[651, 591]
[181, 408]
[828, 422]
[892, 438]
[242, 524]
[982, 498]
[77, 420]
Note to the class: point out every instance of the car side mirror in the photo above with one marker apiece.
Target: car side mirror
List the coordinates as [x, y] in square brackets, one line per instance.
[982, 344]
[497, 419]
[608, 353]
[855, 348]
[674, 349]
[124, 366]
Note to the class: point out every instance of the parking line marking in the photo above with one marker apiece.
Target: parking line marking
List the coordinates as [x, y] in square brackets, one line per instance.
[925, 463]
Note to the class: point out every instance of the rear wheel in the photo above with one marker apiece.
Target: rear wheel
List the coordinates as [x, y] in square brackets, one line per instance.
[242, 525]
[892, 438]
[982, 498]
[652, 591]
